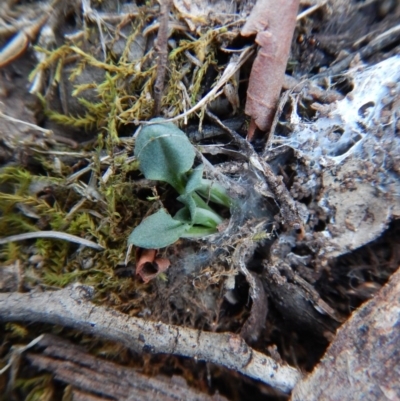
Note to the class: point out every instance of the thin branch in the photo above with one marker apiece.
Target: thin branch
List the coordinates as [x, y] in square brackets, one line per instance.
[70, 307]
[162, 50]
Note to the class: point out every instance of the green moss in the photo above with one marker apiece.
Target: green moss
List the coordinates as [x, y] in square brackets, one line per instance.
[10, 252]
[41, 387]
[16, 330]
[125, 95]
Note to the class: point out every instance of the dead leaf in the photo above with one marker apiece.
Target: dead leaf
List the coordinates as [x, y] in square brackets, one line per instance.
[274, 26]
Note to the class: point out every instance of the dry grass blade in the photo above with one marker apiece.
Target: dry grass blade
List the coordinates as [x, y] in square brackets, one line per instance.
[51, 234]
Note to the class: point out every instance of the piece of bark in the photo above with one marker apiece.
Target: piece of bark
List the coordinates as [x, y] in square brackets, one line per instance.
[273, 23]
[296, 306]
[253, 326]
[93, 376]
[363, 361]
[71, 307]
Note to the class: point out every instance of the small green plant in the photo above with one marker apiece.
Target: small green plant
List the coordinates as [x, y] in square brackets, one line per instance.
[165, 154]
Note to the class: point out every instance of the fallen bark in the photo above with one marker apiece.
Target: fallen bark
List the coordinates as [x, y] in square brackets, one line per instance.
[363, 361]
[274, 24]
[251, 329]
[71, 307]
[94, 377]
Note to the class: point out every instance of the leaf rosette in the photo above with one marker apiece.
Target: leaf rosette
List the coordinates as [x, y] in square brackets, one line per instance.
[165, 154]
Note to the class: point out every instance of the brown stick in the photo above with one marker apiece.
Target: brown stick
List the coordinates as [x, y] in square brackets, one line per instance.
[162, 50]
[273, 22]
[69, 307]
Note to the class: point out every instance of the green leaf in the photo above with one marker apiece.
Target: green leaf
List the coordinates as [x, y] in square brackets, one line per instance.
[200, 202]
[214, 192]
[188, 201]
[164, 153]
[199, 232]
[195, 179]
[183, 215]
[207, 218]
[157, 231]
[199, 215]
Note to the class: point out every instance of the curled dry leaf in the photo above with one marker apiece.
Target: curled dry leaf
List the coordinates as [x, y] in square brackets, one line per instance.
[148, 266]
[274, 25]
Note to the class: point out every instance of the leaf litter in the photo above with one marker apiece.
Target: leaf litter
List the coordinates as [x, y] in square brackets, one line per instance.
[336, 160]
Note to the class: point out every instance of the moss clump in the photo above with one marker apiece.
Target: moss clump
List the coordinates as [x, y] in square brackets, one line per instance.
[103, 212]
[121, 87]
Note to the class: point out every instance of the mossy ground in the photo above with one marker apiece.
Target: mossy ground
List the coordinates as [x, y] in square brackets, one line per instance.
[96, 191]
[75, 196]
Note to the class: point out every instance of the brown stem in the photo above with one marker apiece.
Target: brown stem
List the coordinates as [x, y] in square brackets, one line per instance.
[162, 50]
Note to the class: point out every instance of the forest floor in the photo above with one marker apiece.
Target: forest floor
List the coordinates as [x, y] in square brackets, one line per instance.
[311, 233]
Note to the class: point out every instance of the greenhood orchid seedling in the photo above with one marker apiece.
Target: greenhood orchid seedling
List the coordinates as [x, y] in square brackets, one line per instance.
[165, 154]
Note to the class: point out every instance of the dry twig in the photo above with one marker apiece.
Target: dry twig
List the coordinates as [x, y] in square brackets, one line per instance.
[162, 50]
[70, 307]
